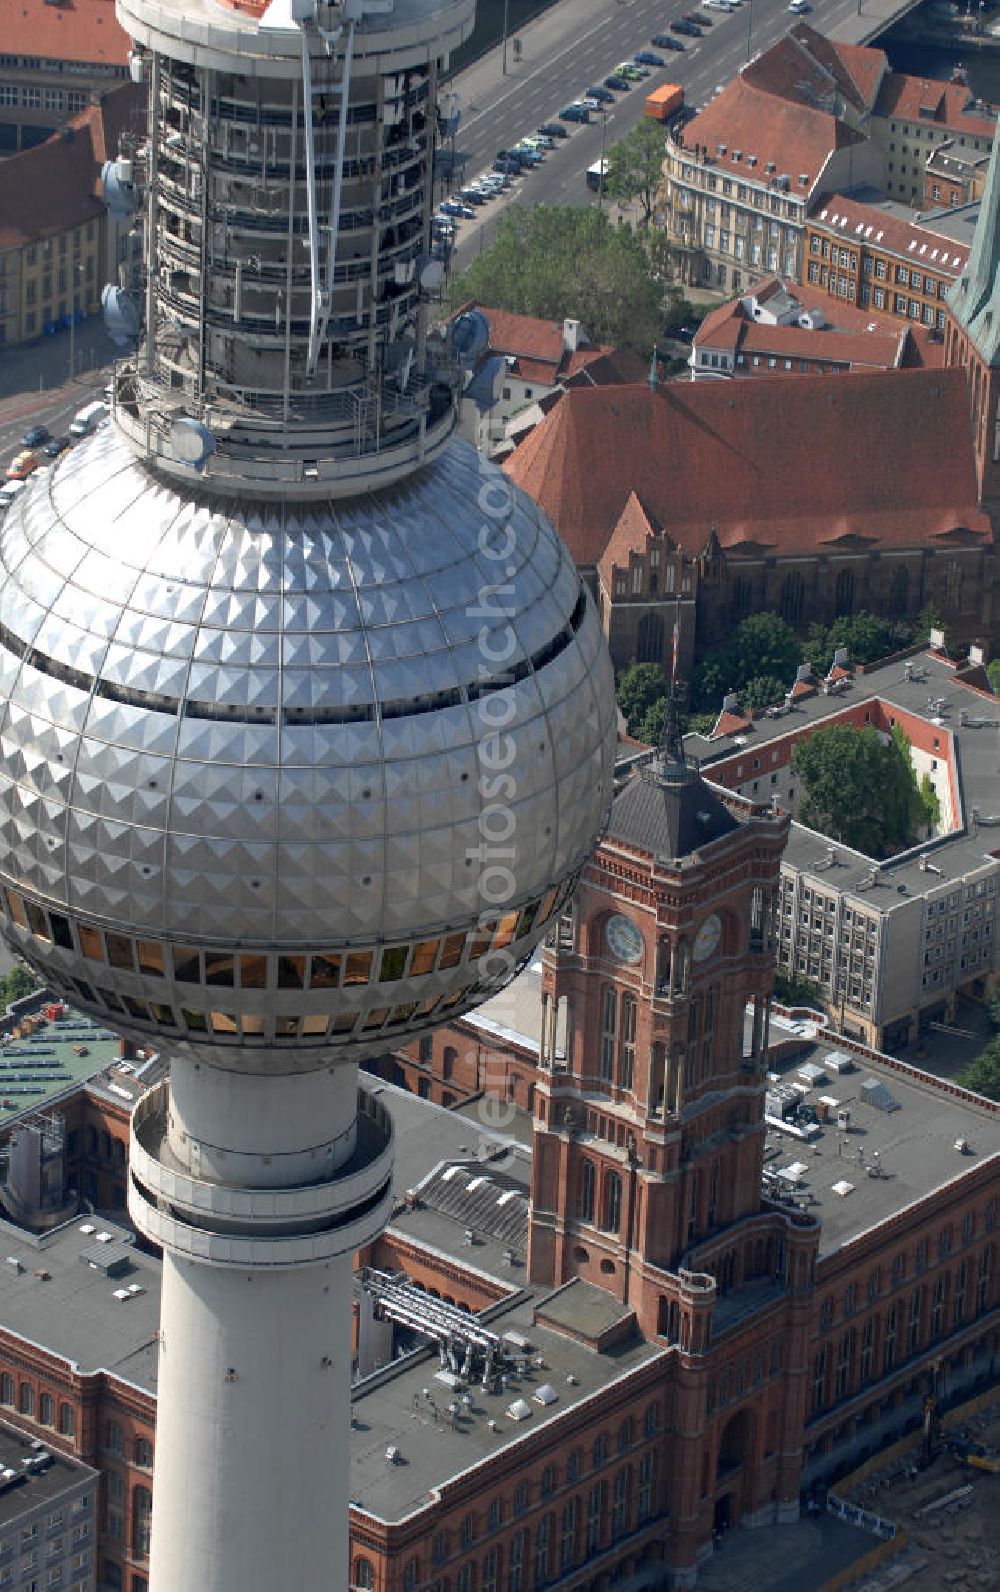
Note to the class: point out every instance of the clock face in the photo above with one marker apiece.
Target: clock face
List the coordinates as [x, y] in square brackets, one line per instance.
[707, 938]
[623, 938]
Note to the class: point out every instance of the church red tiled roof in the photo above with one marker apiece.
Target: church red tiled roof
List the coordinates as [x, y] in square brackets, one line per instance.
[868, 460]
[921, 99]
[76, 30]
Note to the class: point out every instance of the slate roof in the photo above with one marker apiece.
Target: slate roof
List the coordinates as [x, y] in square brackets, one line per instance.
[668, 814]
[881, 459]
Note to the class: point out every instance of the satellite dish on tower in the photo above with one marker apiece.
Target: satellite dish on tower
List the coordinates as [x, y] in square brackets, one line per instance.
[470, 334]
[122, 314]
[190, 441]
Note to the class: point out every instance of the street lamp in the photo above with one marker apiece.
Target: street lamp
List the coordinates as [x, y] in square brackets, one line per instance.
[604, 134]
[750, 23]
[76, 272]
[506, 9]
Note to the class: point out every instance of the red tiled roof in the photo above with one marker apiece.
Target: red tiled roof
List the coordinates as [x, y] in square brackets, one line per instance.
[863, 460]
[729, 723]
[865, 65]
[633, 526]
[805, 66]
[603, 367]
[56, 185]
[855, 338]
[921, 99]
[526, 336]
[76, 30]
[802, 688]
[796, 138]
[859, 223]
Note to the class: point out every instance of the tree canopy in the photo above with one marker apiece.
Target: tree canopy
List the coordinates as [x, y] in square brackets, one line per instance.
[16, 984]
[763, 649]
[640, 688]
[552, 261]
[866, 636]
[635, 166]
[858, 789]
[983, 1074]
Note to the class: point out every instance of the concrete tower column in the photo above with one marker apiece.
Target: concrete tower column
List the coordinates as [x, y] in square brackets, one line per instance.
[255, 1325]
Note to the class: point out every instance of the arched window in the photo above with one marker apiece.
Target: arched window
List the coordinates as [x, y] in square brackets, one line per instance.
[114, 1438]
[67, 1420]
[649, 639]
[114, 1506]
[899, 590]
[792, 597]
[6, 1388]
[844, 597]
[953, 586]
[364, 1574]
[144, 1453]
[47, 1409]
[142, 1515]
[585, 1204]
[741, 599]
[612, 1202]
[26, 1399]
[609, 1012]
[626, 1054]
[448, 1060]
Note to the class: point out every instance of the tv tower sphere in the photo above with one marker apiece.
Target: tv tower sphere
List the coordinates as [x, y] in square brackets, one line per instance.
[308, 723]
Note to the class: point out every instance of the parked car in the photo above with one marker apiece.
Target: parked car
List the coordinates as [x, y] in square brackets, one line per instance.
[574, 113]
[55, 446]
[697, 19]
[648, 58]
[798, 7]
[453, 207]
[539, 141]
[508, 168]
[554, 130]
[618, 83]
[22, 465]
[603, 96]
[471, 196]
[687, 28]
[635, 74]
[663, 41]
[527, 155]
[35, 437]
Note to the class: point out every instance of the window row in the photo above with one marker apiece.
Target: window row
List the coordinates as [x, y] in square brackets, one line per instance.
[23, 1398]
[561, 1539]
[337, 969]
[142, 1448]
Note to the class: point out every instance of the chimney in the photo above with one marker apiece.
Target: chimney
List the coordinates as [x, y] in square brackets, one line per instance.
[571, 335]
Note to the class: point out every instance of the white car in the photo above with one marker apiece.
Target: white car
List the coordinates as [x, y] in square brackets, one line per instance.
[798, 7]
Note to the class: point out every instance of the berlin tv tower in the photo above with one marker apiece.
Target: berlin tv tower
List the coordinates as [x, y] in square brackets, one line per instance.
[308, 720]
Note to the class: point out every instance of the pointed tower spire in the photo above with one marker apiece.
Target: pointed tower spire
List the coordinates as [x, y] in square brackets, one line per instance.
[670, 753]
[974, 300]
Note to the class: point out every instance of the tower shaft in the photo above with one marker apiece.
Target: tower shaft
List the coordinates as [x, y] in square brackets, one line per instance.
[253, 1382]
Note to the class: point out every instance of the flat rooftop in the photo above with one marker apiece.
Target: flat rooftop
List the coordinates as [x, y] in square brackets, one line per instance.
[37, 1068]
[976, 761]
[911, 1149]
[391, 1409]
[35, 1485]
[514, 1014]
[49, 1295]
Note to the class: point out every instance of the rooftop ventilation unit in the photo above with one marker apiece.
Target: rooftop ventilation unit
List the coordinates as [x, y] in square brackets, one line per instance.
[874, 1093]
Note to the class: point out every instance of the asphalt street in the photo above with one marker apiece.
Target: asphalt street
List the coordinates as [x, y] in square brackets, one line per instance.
[534, 90]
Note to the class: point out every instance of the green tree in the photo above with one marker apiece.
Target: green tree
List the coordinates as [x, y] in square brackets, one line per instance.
[857, 789]
[651, 725]
[16, 984]
[762, 647]
[930, 801]
[552, 261]
[983, 1074]
[635, 166]
[791, 989]
[993, 1008]
[639, 688]
[866, 636]
[993, 670]
[763, 691]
